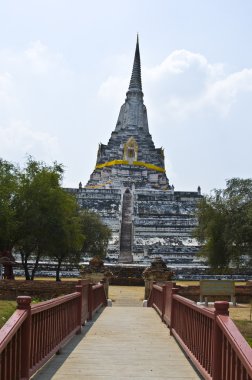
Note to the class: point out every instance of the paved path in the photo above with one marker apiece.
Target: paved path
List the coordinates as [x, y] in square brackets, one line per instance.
[126, 295]
[123, 343]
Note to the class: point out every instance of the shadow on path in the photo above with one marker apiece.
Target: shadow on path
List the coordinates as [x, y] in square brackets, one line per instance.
[59, 359]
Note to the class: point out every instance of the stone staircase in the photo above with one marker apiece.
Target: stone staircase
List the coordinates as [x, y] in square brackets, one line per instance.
[125, 255]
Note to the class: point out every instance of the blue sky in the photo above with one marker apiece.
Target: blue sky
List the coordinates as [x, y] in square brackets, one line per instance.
[65, 68]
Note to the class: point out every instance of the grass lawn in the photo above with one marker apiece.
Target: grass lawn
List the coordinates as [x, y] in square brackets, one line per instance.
[182, 282]
[196, 283]
[241, 316]
[21, 278]
[245, 328]
[6, 310]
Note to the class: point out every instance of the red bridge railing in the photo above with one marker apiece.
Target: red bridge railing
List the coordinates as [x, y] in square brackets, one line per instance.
[97, 298]
[34, 333]
[209, 338]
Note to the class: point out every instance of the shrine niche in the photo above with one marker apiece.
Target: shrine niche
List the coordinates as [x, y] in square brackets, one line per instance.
[130, 150]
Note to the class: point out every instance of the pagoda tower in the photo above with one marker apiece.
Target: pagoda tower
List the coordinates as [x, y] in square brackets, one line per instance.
[130, 158]
[129, 189]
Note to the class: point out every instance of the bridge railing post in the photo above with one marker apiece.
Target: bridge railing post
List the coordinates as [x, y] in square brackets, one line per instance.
[24, 303]
[150, 300]
[90, 302]
[164, 294]
[79, 289]
[105, 302]
[221, 308]
[173, 292]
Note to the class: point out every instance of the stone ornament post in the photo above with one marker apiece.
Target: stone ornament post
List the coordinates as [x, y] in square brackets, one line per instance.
[157, 272]
[95, 272]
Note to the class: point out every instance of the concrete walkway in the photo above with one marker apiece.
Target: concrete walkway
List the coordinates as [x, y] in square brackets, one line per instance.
[123, 343]
[126, 295]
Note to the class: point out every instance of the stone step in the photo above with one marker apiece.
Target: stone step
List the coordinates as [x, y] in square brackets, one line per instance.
[126, 229]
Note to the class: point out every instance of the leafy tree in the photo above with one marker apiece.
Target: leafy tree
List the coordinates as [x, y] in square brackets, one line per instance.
[225, 223]
[36, 204]
[8, 191]
[67, 239]
[96, 234]
[211, 231]
[238, 198]
[39, 219]
[8, 226]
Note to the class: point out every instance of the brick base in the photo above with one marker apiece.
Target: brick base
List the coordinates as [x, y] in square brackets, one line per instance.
[42, 289]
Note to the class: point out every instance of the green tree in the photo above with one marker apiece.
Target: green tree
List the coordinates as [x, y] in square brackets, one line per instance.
[225, 223]
[238, 198]
[67, 239]
[36, 205]
[8, 225]
[96, 234]
[211, 231]
[40, 219]
[8, 191]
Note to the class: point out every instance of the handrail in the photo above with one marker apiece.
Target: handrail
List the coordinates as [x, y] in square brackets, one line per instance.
[36, 332]
[203, 310]
[45, 305]
[96, 298]
[157, 299]
[237, 343]
[11, 327]
[208, 337]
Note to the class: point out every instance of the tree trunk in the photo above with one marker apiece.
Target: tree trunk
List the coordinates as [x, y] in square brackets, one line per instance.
[58, 270]
[34, 269]
[25, 265]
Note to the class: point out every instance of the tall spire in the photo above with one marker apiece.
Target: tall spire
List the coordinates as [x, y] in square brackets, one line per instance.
[135, 81]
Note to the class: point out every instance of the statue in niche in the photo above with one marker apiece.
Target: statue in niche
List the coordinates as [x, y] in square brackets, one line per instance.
[130, 150]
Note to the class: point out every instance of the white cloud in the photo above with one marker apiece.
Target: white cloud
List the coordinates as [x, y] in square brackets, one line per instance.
[113, 86]
[219, 97]
[40, 59]
[22, 97]
[6, 90]
[18, 139]
[184, 84]
[179, 61]
[222, 94]
[37, 58]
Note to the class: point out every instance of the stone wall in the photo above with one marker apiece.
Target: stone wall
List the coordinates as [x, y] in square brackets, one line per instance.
[162, 221]
[127, 276]
[41, 289]
[106, 203]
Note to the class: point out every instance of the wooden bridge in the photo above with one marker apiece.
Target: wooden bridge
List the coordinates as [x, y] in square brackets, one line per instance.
[122, 342]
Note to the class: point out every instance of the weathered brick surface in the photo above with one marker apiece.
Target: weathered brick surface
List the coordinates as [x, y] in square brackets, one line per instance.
[127, 275]
[42, 289]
